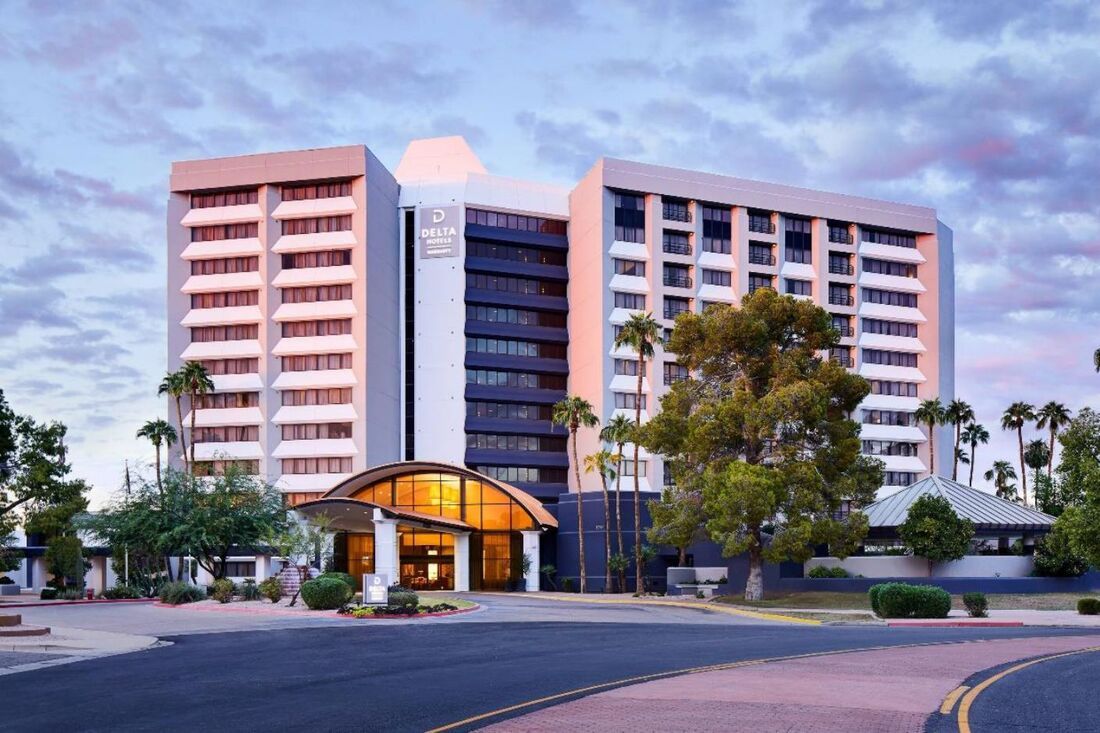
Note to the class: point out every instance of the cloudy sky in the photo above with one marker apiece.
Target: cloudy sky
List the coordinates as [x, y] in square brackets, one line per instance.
[987, 111]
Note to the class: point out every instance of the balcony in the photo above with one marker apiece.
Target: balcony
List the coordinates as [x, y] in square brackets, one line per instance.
[754, 288]
[841, 299]
[844, 331]
[841, 268]
[671, 312]
[761, 225]
[677, 248]
[759, 258]
[840, 236]
[677, 281]
[676, 212]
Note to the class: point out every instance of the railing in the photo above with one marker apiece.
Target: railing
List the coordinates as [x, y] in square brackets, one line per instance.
[756, 258]
[845, 331]
[676, 212]
[677, 248]
[841, 268]
[754, 288]
[838, 299]
[761, 225]
[841, 236]
[671, 313]
[677, 281]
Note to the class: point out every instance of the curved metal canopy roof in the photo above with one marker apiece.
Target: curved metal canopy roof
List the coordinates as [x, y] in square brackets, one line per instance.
[985, 510]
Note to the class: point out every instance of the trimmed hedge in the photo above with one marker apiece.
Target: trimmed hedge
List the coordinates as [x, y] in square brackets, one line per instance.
[1088, 606]
[325, 594]
[176, 593]
[404, 599]
[901, 600]
[820, 571]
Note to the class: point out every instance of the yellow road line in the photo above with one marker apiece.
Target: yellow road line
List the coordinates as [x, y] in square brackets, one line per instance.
[951, 699]
[970, 697]
[716, 607]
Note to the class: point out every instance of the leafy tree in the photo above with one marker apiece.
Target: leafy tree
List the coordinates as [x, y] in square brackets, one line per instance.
[158, 432]
[763, 422]
[1048, 495]
[575, 413]
[973, 434]
[197, 382]
[1053, 416]
[640, 333]
[1054, 556]
[933, 531]
[958, 413]
[677, 520]
[601, 462]
[173, 385]
[618, 431]
[1001, 474]
[1016, 416]
[64, 560]
[1079, 463]
[931, 413]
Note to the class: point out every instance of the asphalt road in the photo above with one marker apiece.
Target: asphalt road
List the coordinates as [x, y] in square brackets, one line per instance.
[395, 678]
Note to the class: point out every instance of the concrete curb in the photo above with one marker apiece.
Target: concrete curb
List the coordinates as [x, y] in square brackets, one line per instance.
[40, 604]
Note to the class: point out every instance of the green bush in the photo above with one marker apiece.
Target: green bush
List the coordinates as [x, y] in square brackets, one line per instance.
[340, 576]
[820, 571]
[70, 594]
[222, 590]
[177, 593]
[48, 594]
[977, 605]
[901, 600]
[249, 590]
[874, 593]
[404, 598]
[272, 589]
[1088, 606]
[325, 594]
[5, 580]
[1055, 559]
[120, 591]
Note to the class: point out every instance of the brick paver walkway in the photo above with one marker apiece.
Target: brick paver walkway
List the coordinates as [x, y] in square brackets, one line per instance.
[881, 691]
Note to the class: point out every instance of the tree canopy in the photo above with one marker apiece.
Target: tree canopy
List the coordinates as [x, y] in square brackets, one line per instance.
[934, 531]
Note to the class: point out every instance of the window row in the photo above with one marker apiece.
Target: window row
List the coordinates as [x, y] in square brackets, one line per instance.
[717, 277]
[227, 400]
[524, 474]
[633, 301]
[717, 230]
[218, 468]
[239, 332]
[331, 327]
[494, 314]
[225, 198]
[216, 367]
[513, 253]
[310, 397]
[501, 378]
[628, 401]
[629, 218]
[508, 410]
[225, 266]
[509, 284]
[513, 347]
[675, 306]
[889, 328]
[889, 297]
[886, 267]
[518, 222]
[535, 443]
[316, 191]
[317, 225]
[629, 267]
[299, 466]
[889, 448]
[894, 389]
[228, 434]
[626, 367]
[898, 478]
[317, 431]
[316, 362]
[889, 358]
[219, 232]
[877, 236]
[327, 258]
[798, 287]
[230, 299]
[317, 294]
[888, 417]
[674, 372]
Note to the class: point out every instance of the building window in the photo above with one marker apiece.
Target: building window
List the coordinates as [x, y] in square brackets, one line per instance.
[894, 389]
[627, 467]
[629, 267]
[317, 225]
[628, 401]
[228, 434]
[629, 218]
[521, 285]
[224, 231]
[799, 287]
[886, 267]
[898, 478]
[797, 242]
[888, 417]
[631, 301]
[519, 222]
[240, 569]
[889, 448]
[676, 306]
[227, 400]
[521, 380]
[316, 362]
[317, 294]
[333, 327]
[317, 431]
[524, 474]
[840, 264]
[676, 243]
[717, 277]
[758, 281]
[717, 230]
[889, 328]
[316, 191]
[299, 466]
[217, 367]
[677, 276]
[843, 325]
[840, 295]
[512, 347]
[493, 314]
[841, 355]
[508, 410]
[761, 222]
[512, 253]
[532, 443]
[232, 299]
[224, 198]
[240, 332]
[890, 297]
[760, 253]
[674, 372]
[675, 209]
[626, 367]
[896, 239]
[312, 397]
[328, 258]
[225, 266]
[839, 233]
[889, 358]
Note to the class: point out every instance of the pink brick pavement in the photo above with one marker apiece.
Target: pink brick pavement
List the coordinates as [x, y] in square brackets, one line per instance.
[881, 691]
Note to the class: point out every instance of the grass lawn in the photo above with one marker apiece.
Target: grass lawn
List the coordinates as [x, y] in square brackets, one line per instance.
[456, 602]
[859, 601]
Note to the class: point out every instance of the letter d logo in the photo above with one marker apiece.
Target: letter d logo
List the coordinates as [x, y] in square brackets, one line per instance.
[438, 216]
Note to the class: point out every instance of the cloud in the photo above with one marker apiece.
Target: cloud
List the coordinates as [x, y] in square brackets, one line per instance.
[574, 146]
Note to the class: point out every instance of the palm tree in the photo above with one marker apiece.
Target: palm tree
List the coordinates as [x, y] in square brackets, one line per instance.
[640, 332]
[1016, 416]
[173, 385]
[958, 413]
[1054, 416]
[1000, 475]
[197, 382]
[575, 413]
[973, 434]
[601, 462]
[158, 432]
[618, 431]
[1096, 359]
[1036, 456]
[931, 413]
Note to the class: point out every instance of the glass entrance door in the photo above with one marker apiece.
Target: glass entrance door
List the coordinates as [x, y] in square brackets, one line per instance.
[427, 560]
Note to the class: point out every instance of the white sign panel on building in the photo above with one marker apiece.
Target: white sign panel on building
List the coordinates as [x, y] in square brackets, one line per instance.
[439, 231]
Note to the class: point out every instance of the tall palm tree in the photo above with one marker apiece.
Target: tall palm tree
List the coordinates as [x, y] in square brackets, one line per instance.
[618, 431]
[973, 434]
[1000, 475]
[1096, 359]
[958, 413]
[197, 382]
[158, 432]
[640, 332]
[575, 413]
[1053, 416]
[1036, 456]
[931, 413]
[1016, 416]
[173, 385]
[602, 462]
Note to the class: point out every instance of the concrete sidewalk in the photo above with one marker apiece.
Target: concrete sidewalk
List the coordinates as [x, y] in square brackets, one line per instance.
[65, 645]
[890, 690]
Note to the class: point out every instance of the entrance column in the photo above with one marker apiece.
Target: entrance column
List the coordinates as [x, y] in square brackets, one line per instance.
[387, 553]
[462, 561]
[531, 550]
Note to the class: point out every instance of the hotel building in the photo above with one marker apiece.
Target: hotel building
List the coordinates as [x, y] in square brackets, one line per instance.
[352, 317]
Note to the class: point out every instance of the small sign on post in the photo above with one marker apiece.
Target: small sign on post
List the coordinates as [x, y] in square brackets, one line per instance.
[376, 589]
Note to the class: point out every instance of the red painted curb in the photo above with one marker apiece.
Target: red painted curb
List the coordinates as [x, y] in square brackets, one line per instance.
[77, 603]
[940, 624]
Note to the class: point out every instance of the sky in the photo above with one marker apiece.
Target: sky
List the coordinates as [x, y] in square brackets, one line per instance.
[987, 111]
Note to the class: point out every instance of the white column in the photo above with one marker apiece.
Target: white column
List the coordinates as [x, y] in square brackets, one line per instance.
[263, 568]
[531, 550]
[462, 561]
[203, 577]
[387, 552]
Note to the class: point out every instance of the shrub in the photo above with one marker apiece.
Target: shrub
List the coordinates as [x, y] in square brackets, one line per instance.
[1088, 606]
[325, 594]
[901, 600]
[1055, 559]
[272, 589]
[222, 590]
[249, 590]
[340, 576]
[874, 592]
[5, 580]
[48, 594]
[120, 591]
[976, 604]
[567, 585]
[820, 571]
[179, 592]
[70, 594]
[404, 598]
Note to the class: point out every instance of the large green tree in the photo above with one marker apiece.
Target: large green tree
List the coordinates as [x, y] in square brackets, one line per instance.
[1015, 417]
[958, 413]
[1079, 460]
[764, 423]
[934, 531]
[677, 519]
[574, 413]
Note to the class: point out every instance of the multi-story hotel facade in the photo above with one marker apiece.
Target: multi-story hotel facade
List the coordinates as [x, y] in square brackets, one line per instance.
[352, 317]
